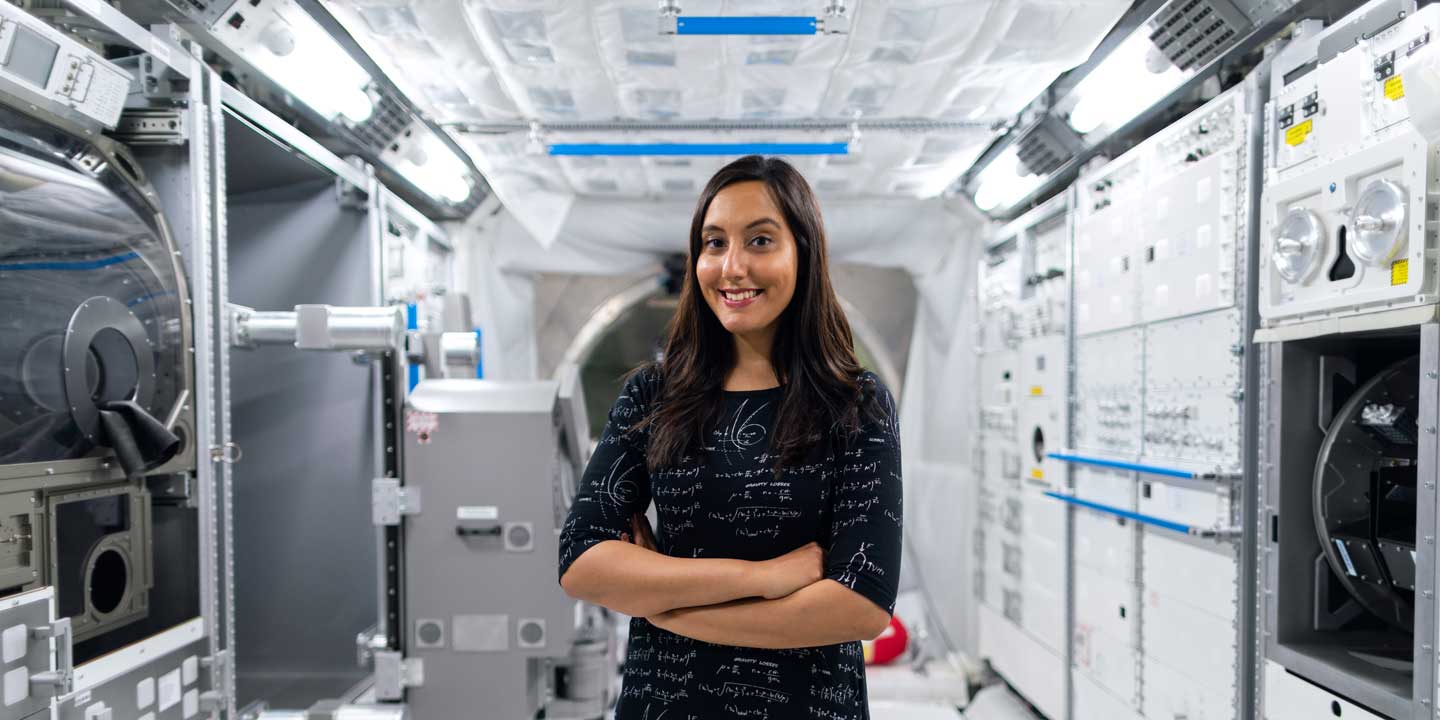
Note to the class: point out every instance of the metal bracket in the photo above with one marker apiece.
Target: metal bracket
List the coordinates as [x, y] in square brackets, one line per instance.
[669, 17]
[368, 642]
[212, 701]
[61, 680]
[215, 664]
[394, 673]
[351, 196]
[835, 20]
[390, 501]
[153, 127]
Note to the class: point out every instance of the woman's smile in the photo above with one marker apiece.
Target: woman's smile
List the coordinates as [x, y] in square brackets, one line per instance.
[736, 299]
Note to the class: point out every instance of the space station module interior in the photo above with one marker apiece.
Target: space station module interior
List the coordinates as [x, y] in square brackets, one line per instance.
[312, 310]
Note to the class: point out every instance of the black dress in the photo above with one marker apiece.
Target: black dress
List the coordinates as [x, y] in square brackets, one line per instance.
[728, 503]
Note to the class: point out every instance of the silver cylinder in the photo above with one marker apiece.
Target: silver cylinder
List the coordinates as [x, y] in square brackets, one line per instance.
[461, 353]
[268, 328]
[371, 329]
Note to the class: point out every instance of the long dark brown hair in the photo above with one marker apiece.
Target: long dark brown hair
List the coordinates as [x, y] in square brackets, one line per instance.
[813, 355]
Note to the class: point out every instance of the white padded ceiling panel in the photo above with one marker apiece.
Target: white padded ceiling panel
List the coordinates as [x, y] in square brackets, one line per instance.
[970, 61]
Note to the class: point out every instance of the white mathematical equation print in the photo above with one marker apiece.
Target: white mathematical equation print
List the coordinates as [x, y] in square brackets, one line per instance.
[725, 500]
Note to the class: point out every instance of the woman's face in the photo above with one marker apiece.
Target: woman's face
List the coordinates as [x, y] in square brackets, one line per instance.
[748, 259]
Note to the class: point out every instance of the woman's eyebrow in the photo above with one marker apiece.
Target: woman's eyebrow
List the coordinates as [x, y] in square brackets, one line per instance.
[751, 226]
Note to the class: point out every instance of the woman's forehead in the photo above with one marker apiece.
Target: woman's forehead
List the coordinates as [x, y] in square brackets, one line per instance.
[743, 203]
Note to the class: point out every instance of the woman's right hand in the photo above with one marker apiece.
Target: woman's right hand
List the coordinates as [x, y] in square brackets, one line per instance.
[796, 569]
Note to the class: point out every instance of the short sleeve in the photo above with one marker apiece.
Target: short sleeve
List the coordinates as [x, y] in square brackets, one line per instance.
[616, 482]
[866, 503]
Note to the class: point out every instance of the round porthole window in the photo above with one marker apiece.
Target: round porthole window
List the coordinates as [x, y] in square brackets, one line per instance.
[1298, 245]
[1377, 223]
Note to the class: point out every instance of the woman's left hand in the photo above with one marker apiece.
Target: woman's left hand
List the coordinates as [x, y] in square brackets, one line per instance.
[641, 533]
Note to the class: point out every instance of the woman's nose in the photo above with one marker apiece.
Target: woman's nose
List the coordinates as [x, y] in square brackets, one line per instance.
[734, 267]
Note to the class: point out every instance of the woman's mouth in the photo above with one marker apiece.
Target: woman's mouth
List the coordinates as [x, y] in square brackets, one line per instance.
[739, 298]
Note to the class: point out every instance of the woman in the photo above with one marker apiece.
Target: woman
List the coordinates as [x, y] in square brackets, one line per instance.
[773, 460]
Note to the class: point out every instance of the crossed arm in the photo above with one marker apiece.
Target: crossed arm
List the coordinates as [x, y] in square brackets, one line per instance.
[780, 603]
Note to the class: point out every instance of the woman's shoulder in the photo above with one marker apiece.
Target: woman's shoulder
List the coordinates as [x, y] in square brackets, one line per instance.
[873, 391]
[643, 385]
[877, 409]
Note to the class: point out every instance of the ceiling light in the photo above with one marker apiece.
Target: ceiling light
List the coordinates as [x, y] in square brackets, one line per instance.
[642, 149]
[428, 162]
[282, 41]
[1133, 77]
[1004, 182]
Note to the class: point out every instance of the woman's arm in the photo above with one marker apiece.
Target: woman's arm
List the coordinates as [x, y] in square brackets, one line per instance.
[862, 572]
[636, 580]
[823, 613]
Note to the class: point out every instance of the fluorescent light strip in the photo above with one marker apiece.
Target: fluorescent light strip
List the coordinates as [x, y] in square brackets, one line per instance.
[643, 149]
[774, 25]
[1122, 86]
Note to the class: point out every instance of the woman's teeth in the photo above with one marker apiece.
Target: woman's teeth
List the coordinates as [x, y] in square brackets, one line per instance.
[737, 296]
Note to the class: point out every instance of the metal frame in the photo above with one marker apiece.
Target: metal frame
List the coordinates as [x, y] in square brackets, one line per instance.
[190, 204]
[269, 124]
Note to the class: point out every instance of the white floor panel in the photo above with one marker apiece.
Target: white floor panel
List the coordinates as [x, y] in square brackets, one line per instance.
[998, 703]
[905, 710]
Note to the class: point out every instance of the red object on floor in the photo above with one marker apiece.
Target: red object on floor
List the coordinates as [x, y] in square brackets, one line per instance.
[889, 645]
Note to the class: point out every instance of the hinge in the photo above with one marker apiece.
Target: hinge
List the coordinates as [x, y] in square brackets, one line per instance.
[153, 127]
[394, 673]
[390, 501]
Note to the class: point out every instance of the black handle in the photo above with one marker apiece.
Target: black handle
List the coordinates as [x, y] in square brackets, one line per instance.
[474, 532]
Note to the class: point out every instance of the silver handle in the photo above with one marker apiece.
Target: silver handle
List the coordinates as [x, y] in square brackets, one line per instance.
[61, 680]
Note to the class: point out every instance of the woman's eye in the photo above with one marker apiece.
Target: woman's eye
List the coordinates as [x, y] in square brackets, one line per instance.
[714, 242]
[761, 240]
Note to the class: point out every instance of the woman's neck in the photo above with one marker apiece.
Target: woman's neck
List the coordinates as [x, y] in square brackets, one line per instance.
[752, 369]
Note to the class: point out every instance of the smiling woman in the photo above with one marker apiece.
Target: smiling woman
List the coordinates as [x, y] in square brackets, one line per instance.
[773, 461]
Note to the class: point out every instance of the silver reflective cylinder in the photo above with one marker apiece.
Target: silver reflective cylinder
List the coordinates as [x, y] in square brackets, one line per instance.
[371, 329]
[267, 328]
[461, 353]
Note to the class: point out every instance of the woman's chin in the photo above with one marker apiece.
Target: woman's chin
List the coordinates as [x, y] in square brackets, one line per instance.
[741, 326]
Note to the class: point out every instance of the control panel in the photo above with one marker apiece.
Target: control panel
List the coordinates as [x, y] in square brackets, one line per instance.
[36, 59]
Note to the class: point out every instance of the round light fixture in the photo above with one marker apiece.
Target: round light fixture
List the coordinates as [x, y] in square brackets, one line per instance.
[1299, 243]
[1377, 223]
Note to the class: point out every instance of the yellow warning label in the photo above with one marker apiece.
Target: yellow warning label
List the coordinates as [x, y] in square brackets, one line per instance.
[1037, 390]
[1297, 134]
[1399, 272]
[1037, 474]
[1394, 88]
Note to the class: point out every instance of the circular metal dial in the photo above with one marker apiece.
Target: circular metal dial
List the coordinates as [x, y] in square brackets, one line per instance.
[1298, 246]
[1377, 223]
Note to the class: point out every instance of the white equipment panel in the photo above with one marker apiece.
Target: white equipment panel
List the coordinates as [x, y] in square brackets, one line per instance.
[1042, 242]
[1193, 378]
[1160, 270]
[1189, 641]
[1109, 383]
[999, 288]
[1196, 209]
[1348, 211]
[1160, 231]
[1042, 422]
[1022, 533]
[1290, 697]
[38, 60]
[1107, 243]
